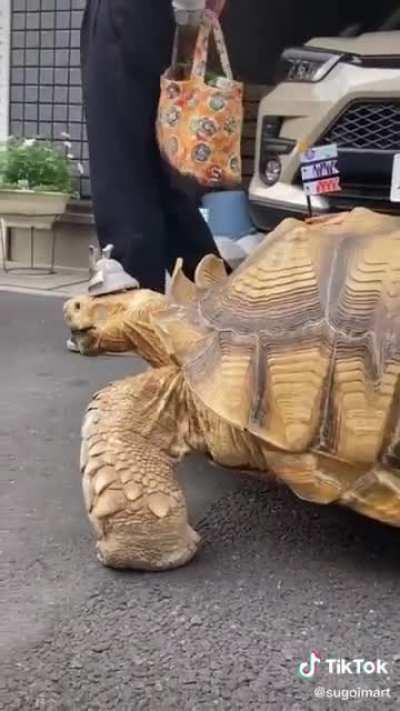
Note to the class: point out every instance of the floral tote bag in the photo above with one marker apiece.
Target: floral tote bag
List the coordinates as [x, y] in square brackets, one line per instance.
[199, 124]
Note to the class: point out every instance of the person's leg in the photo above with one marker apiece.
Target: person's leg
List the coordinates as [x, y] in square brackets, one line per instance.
[188, 235]
[125, 46]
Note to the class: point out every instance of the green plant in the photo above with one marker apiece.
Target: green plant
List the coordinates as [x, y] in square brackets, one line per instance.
[30, 164]
[183, 70]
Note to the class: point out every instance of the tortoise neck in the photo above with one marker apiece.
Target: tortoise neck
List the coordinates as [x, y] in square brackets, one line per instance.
[141, 331]
[146, 342]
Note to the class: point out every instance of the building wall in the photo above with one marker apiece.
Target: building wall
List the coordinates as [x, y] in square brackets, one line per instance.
[45, 89]
[5, 15]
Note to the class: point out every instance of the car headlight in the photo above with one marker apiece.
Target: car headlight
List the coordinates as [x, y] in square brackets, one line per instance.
[306, 65]
[271, 170]
[271, 148]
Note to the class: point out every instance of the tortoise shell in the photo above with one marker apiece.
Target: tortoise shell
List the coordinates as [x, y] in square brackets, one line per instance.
[300, 347]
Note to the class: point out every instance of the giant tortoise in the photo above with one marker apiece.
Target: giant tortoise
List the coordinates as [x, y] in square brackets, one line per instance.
[289, 366]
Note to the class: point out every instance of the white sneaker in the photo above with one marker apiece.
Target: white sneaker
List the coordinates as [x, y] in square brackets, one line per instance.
[72, 345]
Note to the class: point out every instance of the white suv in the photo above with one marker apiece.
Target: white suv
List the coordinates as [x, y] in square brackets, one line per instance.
[343, 90]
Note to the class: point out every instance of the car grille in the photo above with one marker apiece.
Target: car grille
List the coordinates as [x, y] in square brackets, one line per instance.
[372, 125]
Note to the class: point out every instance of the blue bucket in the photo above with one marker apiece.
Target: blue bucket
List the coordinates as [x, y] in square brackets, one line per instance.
[228, 214]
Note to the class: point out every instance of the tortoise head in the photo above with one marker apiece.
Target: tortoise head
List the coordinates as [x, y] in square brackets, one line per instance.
[115, 309]
[123, 320]
[116, 323]
[93, 319]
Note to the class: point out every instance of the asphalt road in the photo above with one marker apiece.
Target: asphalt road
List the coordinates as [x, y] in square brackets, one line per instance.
[276, 579]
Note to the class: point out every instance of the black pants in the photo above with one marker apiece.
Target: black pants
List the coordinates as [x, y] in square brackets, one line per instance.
[126, 45]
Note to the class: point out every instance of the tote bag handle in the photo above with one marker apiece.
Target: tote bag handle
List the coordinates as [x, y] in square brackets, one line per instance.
[210, 23]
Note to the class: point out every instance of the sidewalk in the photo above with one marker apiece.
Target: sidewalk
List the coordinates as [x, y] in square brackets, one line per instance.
[68, 281]
[64, 282]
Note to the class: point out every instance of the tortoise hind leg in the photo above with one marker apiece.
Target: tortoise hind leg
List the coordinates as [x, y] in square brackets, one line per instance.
[132, 497]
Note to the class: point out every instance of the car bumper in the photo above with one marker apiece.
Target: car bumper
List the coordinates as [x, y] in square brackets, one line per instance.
[269, 206]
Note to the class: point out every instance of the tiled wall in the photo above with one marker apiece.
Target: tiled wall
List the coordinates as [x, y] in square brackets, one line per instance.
[45, 89]
[4, 66]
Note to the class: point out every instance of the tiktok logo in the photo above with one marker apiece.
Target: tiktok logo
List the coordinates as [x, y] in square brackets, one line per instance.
[307, 669]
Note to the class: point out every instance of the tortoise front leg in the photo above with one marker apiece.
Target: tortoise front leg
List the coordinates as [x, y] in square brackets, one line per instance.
[132, 497]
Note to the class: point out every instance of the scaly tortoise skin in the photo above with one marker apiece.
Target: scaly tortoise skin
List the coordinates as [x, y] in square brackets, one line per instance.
[289, 366]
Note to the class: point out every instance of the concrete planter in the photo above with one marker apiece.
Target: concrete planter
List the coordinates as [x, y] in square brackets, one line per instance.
[28, 211]
[36, 209]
